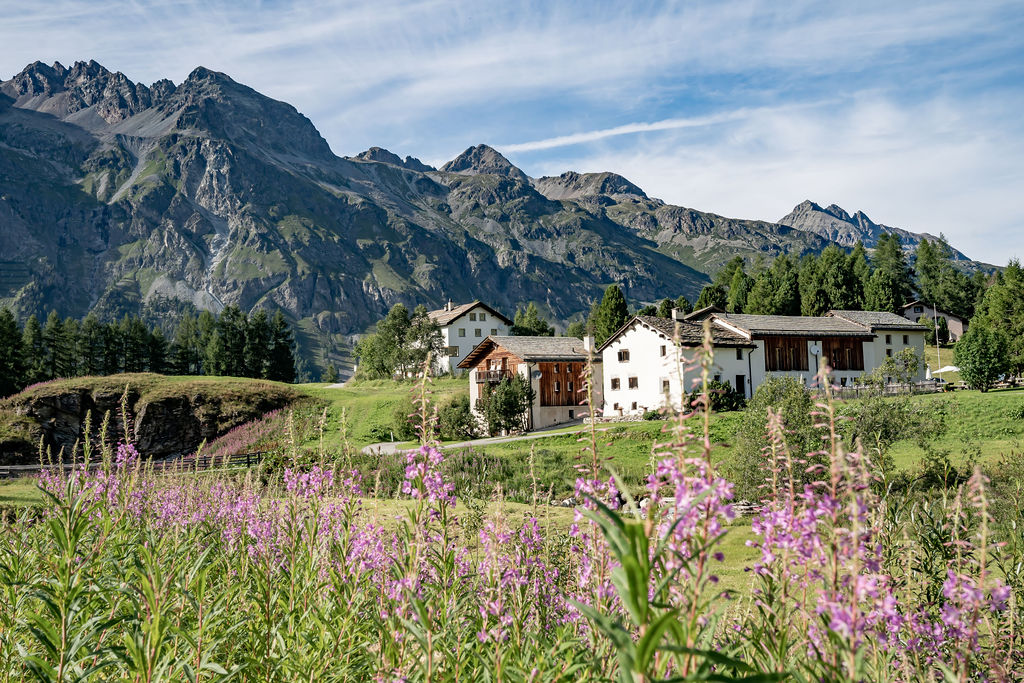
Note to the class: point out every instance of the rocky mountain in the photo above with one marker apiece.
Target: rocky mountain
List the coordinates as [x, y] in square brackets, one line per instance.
[836, 225]
[115, 196]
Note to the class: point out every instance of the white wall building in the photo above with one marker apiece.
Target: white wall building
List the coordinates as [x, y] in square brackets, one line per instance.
[463, 327]
[645, 364]
[645, 361]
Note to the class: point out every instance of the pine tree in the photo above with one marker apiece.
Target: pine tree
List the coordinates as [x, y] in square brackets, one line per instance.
[813, 300]
[232, 325]
[529, 323]
[860, 267]
[206, 325]
[69, 354]
[1002, 308]
[257, 344]
[838, 281]
[896, 275]
[135, 340]
[158, 351]
[612, 313]
[739, 288]
[90, 346]
[34, 350]
[282, 358]
[882, 292]
[665, 308]
[683, 304]
[113, 349]
[12, 355]
[576, 329]
[711, 295]
[186, 350]
[53, 345]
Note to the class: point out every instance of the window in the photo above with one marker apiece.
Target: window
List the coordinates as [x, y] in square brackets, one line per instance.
[718, 378]
[483, 317]
[615, 406]
[888, 352]
[906, 339]
[462, 332]
[663, 349]
[842, 381]
[783, 354]
[615, 383]
[478, 332]
[555, 370]
[843, 353]
[569, 387]
[624, 355]
[664, 386]
[634, 383]
[888, 339]
[452, 351]
[739, 353]
[472, 316]
[572, 414]
[918, 309]
[494, 330]
[634, 406]
[741, 384]
[558, 386]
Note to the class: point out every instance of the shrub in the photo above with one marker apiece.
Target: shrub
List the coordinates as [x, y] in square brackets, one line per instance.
[722, 396]
[796, 405]
[455, 420]
[982, 354]
[505, 407]
[652, 415]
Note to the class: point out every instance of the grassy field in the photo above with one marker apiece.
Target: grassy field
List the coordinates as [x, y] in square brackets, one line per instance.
[943, 356]
[370, 404]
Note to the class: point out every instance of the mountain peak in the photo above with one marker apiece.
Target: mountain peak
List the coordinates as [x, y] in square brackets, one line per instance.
[573, 185]
[381, 155]
[483, 159]
[837, 211]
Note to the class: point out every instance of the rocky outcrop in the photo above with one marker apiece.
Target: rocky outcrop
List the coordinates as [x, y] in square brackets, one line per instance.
[165, 418]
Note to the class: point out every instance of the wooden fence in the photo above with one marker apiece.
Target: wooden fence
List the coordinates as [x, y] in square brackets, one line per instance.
[184, 464]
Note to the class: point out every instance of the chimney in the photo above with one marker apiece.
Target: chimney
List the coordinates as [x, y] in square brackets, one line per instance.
[678, 314]
[588, 343]
[448, 306]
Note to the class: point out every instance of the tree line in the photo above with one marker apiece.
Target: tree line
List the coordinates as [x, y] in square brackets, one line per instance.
[232, 343]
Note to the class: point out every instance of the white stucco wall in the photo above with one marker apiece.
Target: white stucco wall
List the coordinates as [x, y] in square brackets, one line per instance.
[650, 368]
[491, 325]
[875, 352]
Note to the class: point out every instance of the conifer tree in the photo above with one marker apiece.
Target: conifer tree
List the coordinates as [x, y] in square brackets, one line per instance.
[53, 345]
[34, 350]
[711, 295]
[529, 323]
[12, 355]
[282, 358]
[90, 346]
[683, 304]
[611, 314]
[739, 289]
[257, 344]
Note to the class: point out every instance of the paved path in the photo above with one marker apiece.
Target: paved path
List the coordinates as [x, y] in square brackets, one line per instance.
[388, 447]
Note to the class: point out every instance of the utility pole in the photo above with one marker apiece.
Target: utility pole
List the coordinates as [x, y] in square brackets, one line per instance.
[935, 326]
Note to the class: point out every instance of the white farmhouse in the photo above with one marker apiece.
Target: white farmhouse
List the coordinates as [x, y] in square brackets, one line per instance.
[463, 327]
[645, 363]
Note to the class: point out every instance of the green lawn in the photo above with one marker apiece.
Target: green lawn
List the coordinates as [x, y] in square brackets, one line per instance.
[369, 404]
[19, 492]
[943, 357]
[980, 427]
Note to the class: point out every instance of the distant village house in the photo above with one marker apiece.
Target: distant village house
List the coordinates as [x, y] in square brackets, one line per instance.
[463, 328]
[955, 324]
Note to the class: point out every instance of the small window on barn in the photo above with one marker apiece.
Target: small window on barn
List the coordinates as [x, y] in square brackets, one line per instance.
[624, 355]
[634, 406]
[663, 349]
[494, 330]
[634, 383]
[462, 332]
[888, 352]
[569, 387]
[556, 368]
[918, 309]
[483, 317]
[739, 353]
[664, 386]
[615, 406]
[888, 339]
[472, 316]
[615, 383]
[478, 332]
[906, 339]
[558, 386]
[572, 414]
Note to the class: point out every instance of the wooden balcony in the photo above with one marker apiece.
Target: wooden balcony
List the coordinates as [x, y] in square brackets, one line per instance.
[492, 376]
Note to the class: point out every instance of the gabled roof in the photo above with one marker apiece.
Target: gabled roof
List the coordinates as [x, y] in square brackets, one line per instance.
[878, 320]
[928, 307]
[531, 349]
[793, 325]
[444, 317]
[688, 333]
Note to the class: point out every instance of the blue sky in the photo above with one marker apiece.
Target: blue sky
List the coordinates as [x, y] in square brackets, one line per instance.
[911, 112]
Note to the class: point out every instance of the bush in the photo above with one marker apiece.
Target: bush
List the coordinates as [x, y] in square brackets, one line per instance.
[455, 420]
[652, 415]
[879, 422]
[403, 421]
[794, 401]
[723, 397]
[983, 355]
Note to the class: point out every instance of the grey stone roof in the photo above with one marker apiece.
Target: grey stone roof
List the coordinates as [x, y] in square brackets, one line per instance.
[532, 349]
[702, 313]
[443, 316]
[692, 334]
[878, 320]
[794, 325]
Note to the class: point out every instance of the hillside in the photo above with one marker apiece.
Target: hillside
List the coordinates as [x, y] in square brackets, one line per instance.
[168, 415]
[115, 196]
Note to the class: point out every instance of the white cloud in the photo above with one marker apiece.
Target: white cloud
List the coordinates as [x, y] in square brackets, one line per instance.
[938, 166]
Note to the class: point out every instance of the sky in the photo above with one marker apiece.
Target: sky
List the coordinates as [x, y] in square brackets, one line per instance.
[908, 111]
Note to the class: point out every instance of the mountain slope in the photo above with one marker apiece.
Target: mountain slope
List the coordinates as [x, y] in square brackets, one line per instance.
[115, 196]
